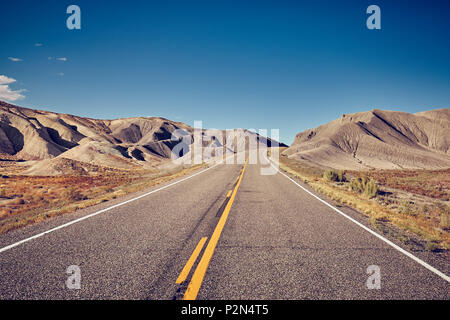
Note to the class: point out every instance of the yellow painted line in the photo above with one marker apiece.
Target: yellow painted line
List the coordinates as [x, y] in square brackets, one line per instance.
[199, 274]
[229, 193]
[187, 268]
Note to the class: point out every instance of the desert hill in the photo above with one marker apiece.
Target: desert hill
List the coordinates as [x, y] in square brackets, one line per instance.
[61, 143]
[378, 139]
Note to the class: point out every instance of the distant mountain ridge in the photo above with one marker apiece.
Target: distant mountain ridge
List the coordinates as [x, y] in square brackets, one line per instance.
[378, 139]
[60, 142]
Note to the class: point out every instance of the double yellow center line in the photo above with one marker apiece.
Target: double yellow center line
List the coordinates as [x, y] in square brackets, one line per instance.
[187, 268]
[199, 273]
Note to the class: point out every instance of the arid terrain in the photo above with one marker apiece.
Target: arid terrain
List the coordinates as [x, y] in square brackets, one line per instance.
[54, 163]
[378, 139]
[407, 199]
[54, 144]
[393, 167]
[384, 211]
[26, 199]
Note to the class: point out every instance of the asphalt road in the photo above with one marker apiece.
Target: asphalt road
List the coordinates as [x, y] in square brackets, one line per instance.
[266, 238]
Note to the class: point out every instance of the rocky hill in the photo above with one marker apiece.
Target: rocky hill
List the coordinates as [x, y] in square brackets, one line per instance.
[61, 143]
[378, 139]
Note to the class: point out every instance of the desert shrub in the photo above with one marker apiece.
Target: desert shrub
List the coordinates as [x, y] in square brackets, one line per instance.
[371, 189]
[425, 209]
[330, 175]
[364, 185]
[357, 185]
[333, 175]
[407, 208]
[75, 195]
[341, 176]
[445, 219]
[432, 246]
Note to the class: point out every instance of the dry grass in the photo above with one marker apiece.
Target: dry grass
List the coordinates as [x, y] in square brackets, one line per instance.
[25, 199]
[418, 203]
[429, 183]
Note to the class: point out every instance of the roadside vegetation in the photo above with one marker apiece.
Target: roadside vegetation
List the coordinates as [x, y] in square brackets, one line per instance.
[29, 199]
[415, 201]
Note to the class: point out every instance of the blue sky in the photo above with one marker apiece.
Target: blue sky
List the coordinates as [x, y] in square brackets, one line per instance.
[290, 65]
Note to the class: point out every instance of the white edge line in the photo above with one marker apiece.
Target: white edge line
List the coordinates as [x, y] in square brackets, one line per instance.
[421, 262]
[102, 211]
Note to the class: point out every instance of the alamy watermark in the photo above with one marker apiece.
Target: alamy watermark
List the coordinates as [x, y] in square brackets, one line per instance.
[374, 20]
[73, 282]
[374, 280]
[73, 22]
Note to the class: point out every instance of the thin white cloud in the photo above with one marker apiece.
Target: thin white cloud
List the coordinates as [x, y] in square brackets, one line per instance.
[38, 44]
[61, 74]
[50, 58]
[62, 59]
[14, 59]
[5, 91]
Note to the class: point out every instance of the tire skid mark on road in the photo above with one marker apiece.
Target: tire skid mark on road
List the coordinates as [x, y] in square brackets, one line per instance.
[173, 263]
[181, 280]
[224, 204]
[200, 271]
[182, 286]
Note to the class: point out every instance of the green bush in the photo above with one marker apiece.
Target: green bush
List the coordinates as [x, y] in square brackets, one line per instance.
[341, 176]
[330, 175]
[75, 195]
[371, 189]
[357, 185]
[407, 208]
[445, 220]
[333, 175]
[364, 185]
[432, 246]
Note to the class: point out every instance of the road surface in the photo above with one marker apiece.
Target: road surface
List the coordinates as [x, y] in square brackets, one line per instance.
[225, 233]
